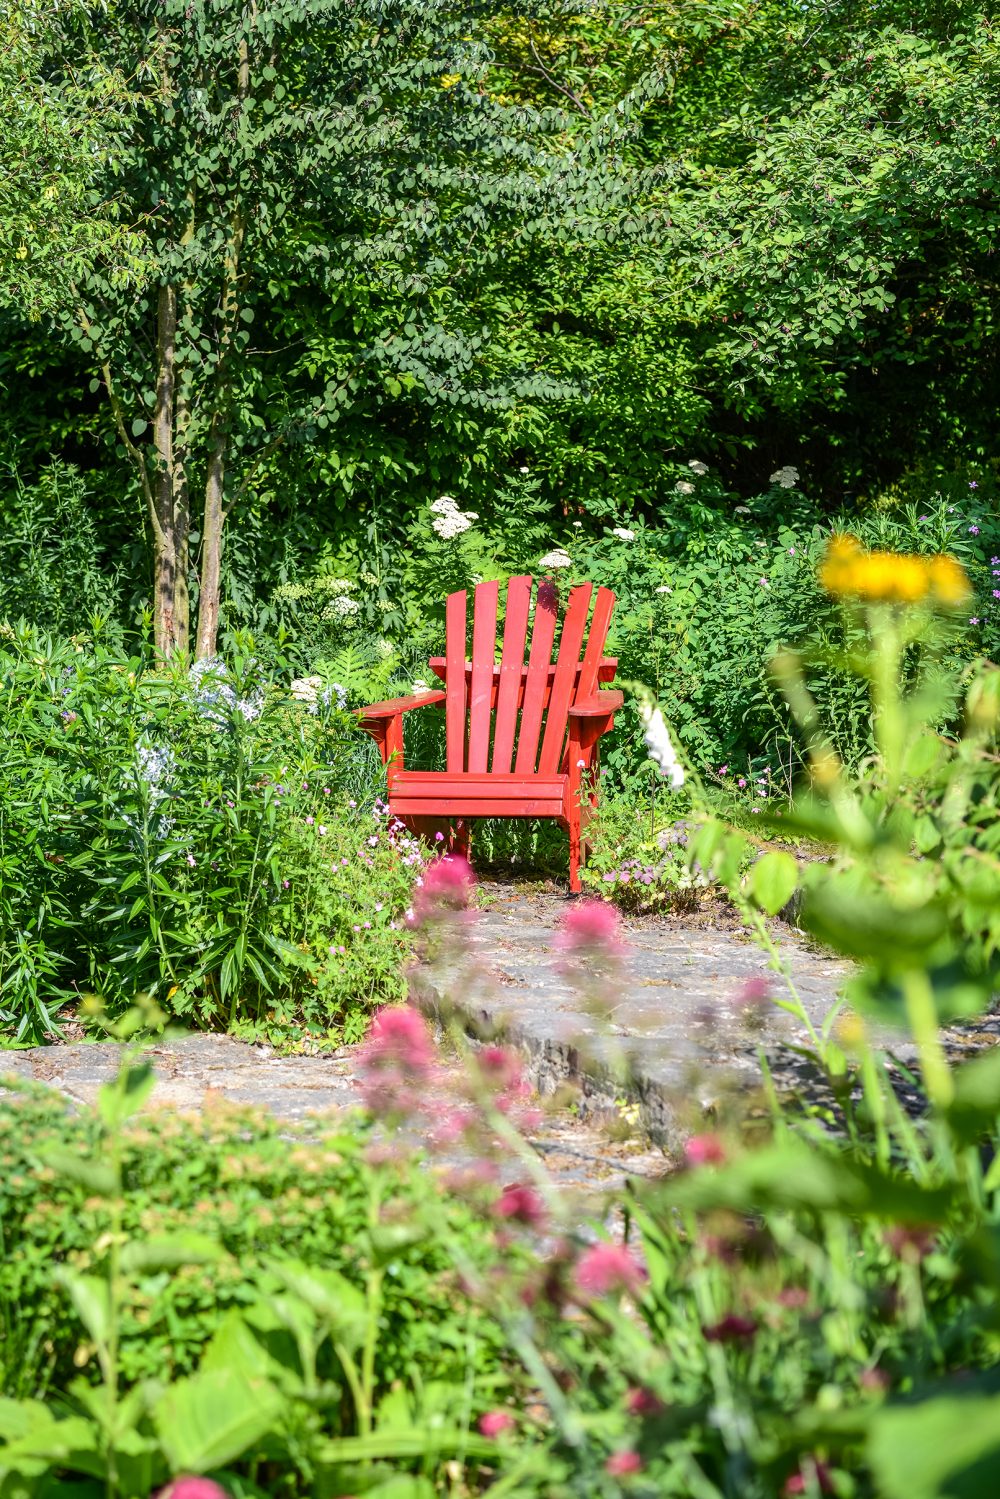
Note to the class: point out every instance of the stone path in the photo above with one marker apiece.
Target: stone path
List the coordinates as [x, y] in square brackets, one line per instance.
[668, 1031]
[672, 1038]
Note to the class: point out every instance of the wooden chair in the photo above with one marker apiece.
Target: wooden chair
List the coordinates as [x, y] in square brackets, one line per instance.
[536, 768]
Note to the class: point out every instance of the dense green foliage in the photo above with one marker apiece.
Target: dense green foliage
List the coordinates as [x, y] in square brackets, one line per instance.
[606, 244]
[195, 837]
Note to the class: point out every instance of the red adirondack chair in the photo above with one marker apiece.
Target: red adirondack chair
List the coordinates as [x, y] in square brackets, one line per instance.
[534, 770]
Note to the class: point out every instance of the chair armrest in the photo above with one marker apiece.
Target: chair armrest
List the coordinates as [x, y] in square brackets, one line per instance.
[598, 706]
[397, 705]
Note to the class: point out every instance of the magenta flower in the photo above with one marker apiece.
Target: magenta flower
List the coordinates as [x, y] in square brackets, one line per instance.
[396, 1062]
[446, 888]
[704, 1150]
[494, 1423]
[642, 1402]
[731, 1329]
[620, 1464]
[522, 1205]
[754, 991]
[609, 1267]
[589, 924]
[801, 1481]
[192, 1488]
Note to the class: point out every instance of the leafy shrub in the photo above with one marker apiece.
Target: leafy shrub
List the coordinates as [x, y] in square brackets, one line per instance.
[197, 1291]
[204, 838]
[53, 571]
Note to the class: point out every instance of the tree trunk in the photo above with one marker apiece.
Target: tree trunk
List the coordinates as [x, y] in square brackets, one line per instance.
[210, 577]
[165, 621]
[211, 545]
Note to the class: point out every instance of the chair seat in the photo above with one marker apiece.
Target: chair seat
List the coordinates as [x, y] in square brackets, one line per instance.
[449, 793]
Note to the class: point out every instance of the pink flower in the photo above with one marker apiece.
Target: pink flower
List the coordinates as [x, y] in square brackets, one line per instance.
[446, 887]
[755, 991]
[192, 1488]
[609, 1267]
[495, 1422]
[396, 1062]
[400, 1036]
[619, 1464]
[589, 924]
[802, 1480]
[523, 1205]
[500, 1068]
[704, 1150]
[731, 1329]
[642, 1402]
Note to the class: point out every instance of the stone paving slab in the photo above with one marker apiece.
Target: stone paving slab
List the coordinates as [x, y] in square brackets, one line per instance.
[672, 1021]
[191, 1068]
[192, 1071]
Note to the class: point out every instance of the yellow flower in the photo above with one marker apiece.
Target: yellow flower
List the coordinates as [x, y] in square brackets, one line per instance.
[448, 80]
[948, 581]
[847, 571]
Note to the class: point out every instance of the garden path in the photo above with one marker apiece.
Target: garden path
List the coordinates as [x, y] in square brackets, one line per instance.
[673, 1041]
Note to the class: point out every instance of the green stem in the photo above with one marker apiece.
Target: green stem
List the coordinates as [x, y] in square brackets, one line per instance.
[376, 1275]
[922, 1015]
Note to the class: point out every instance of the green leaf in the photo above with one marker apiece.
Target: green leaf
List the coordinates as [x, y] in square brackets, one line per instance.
[124, 1097]
[171, 1251]
[90, 1174]
[975, 1107]
[339, 1306]
[139, 425]
[772, 881]
[215, 1417]
[945, 1447]
[792, 1175]
[91, 1298]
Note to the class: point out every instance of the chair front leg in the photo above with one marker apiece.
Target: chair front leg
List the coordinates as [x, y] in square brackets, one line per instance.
[388, 735]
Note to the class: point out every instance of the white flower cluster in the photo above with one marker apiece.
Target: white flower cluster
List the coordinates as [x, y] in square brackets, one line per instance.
[787, 477]
[156, 765]
[214, 696]
[310, 690]
[558, 557]
[660, 745]
[624, 533]
[340, 607]
[448, 520]
[154, 768]
[684, 487]
[697, 467]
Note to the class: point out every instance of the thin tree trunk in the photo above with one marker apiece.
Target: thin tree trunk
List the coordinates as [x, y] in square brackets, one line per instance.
[209, 594]
[165, 621]
[210, 579]
[182, 518]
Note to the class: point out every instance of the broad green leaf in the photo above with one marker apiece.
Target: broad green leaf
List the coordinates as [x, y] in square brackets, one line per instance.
[772, 881]
[792, 1174]
[170, 1251]
[214, 1418]
[121, 1099]
[91, 1298]
[943, 1447]
[339, 1305]
[90, 1174]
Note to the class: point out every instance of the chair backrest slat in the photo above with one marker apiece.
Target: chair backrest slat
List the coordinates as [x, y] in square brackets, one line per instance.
[564, 681]
[484, 641]
[594, 654]
[537, 677]
[454, 706]
[515, 639]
